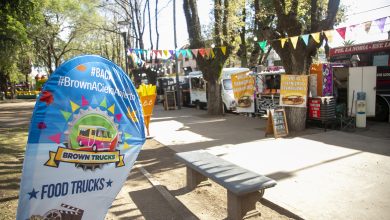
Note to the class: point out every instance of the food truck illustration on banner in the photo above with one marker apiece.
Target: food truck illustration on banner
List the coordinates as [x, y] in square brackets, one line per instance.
[85, 134]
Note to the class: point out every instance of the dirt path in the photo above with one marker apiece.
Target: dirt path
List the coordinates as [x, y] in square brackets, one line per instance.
[138, 199]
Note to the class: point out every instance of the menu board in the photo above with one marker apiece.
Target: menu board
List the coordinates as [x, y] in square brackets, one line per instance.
[277, 123]
[170, 100]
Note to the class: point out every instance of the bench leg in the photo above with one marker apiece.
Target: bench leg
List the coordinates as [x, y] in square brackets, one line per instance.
[194, 178]
[241, 207]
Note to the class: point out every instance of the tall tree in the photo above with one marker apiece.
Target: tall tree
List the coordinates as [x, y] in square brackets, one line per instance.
[226, 24]
[295, 18]
[15, 18]
[64, 22]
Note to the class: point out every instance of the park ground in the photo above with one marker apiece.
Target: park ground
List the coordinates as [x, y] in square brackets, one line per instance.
[327, 175]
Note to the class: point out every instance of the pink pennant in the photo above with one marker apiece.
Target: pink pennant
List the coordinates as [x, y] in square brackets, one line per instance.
[84, 102]
[56, 138]
[342, 31]
[202, 52]
[118, 117]
[42, 125]
[195, 52]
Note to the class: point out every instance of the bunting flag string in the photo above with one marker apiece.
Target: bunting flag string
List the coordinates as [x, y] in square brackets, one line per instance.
[211, 53]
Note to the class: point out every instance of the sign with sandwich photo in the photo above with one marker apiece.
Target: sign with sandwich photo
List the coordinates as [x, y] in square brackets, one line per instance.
[293, 90]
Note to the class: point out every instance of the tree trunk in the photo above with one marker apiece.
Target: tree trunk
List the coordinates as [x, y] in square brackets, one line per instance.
[296, 118]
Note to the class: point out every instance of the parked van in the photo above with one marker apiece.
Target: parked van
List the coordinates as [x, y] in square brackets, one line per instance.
[198, 93]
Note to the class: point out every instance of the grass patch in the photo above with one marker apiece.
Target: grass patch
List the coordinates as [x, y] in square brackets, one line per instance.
[12, 148]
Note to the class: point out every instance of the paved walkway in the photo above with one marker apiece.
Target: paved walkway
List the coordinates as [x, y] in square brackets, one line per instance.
[320, 175]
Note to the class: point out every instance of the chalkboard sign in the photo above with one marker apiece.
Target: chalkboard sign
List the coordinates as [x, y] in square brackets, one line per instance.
[277, 123]
[169, 100]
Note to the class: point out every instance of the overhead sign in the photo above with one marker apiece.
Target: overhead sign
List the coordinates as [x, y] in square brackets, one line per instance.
[86, 131]
[293, 90]
[243, 89]
[360, 48]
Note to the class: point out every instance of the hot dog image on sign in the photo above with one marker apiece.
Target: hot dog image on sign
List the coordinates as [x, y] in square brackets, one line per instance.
[85, 134]
[293, 90]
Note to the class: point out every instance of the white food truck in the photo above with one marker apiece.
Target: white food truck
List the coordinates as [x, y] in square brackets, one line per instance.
[198, 93]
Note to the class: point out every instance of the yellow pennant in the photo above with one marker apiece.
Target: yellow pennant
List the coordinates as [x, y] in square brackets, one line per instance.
[112, 109]
[74, 106]
[165, 52]
[132, 115]
[223, 49]
[294, 41]
[212, 53]
[329, 35]
[283, 42]
[316, 37]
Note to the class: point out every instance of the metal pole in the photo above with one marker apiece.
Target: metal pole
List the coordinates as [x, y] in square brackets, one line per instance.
[176, 61]
[124, 35]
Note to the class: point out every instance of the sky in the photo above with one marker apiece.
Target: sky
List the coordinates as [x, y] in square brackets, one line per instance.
[358, 12]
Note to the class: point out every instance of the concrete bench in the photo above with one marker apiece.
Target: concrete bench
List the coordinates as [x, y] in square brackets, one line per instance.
[244, 187]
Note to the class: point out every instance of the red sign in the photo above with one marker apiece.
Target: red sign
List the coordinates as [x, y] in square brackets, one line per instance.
[314, 108]
[361, 48]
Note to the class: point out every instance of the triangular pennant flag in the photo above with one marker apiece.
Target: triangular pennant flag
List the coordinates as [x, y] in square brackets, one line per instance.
[66, 114]
[171, 52]
[165, 52]
[189, 54]
[367, 26]
[104, 103]
[352, 27]
[223, 50]
[183, 52]
[56, 138]
[125, 146]
[112, 109]
[329, 35]
[202, 52]
[294, 41]
[94, 101]
[127, 136]
[212, 53]
[118, 117]
[342, 31]
[74, 106]
[381, 23]
[262, 45]
[195, 52]
[84, 102]
[283, 42]
[155, 52]
[207, 50]
[316, 36]
[305, 38]
[132, 115]
[160, 52]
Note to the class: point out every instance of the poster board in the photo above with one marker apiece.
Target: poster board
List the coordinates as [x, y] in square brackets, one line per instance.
[293, 90]
[243, 86]
[170, 100]
[277, 123]
[314, 108]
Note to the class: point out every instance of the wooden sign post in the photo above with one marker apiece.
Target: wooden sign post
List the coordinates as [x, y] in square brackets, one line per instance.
[277, 123]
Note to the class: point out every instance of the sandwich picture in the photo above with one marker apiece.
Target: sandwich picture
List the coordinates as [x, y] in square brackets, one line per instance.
[244, 102]
[293, 100]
